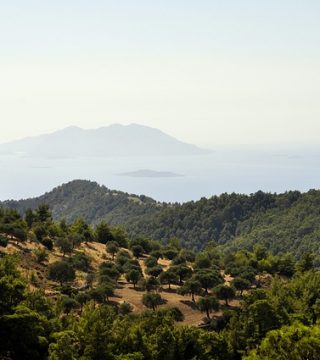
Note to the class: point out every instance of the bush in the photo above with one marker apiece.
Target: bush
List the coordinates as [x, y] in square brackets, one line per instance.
[47, 242]
[151, 300]
[103, 233]
[82, 298]
[112, 248]
[142, 283]
[34, 278]
[81, 261]
[125, 308]
[156, 254]
[130, 265]
[65, 245]
[176, 314]
[40, 232]
[124, 253]
[133, 276]
[152, 283]
[101, 294]
[68, 290]
[3, 241]
[137, 250]
[69, 304]
[151, 262]
[155, 271]
[62, 272]
[41, 255]
[169, 253]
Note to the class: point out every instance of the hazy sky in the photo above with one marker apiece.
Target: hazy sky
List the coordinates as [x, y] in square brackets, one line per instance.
[206, 71]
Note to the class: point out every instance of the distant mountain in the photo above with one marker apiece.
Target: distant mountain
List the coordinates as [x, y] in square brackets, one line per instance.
[280, 222]
[150, 174]
[114, 140]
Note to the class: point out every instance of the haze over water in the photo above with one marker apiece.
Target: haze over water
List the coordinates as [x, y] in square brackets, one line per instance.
[225, 170]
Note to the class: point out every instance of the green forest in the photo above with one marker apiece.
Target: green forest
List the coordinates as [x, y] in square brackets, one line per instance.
[287, 222]
[77, 289]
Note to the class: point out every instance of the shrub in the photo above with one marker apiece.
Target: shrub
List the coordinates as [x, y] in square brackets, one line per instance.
[41, 255]
[151, 300]
[62, 272]
[125, 308]
[47, 242]
[3, 241]
[81, 261]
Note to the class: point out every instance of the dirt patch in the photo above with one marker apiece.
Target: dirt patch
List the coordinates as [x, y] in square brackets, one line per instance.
[227, 278]
[192, 315]
[164, 263]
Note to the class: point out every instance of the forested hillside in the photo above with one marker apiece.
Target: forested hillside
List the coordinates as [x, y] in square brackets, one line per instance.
[78, 292]
[218, 218]
[87, 200]
[281, 222]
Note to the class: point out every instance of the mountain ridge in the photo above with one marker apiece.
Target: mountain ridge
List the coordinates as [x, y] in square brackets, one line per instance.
[112, 140]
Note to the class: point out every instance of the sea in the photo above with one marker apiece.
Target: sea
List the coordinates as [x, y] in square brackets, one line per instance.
[224, 170]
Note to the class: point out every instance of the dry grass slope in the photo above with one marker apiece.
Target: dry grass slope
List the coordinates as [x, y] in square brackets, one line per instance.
[124, 292]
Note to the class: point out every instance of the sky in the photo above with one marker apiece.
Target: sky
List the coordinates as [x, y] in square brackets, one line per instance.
[208, 72]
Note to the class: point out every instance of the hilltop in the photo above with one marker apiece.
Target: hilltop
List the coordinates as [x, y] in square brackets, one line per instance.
[90, 201]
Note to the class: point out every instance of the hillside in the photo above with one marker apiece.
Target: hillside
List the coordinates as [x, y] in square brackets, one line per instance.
[283, 222]
[76, 292]
[90, 201]
[288, 227]
[114, 140]
[97, 254]
[288, 222]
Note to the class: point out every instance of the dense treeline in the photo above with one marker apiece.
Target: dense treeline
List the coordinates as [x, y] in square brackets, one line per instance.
[288, 227]
[269, 306]
[218, 218]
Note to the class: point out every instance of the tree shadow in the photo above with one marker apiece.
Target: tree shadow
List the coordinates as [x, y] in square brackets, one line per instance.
[120, 284]
[89, 246]
[167, 290]
[137, 288]
[112, 303]
[205, 323]
[229, 307]
[131, 287]
[163, 301]
[117, 296]
[190, 303]
[19, 246]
